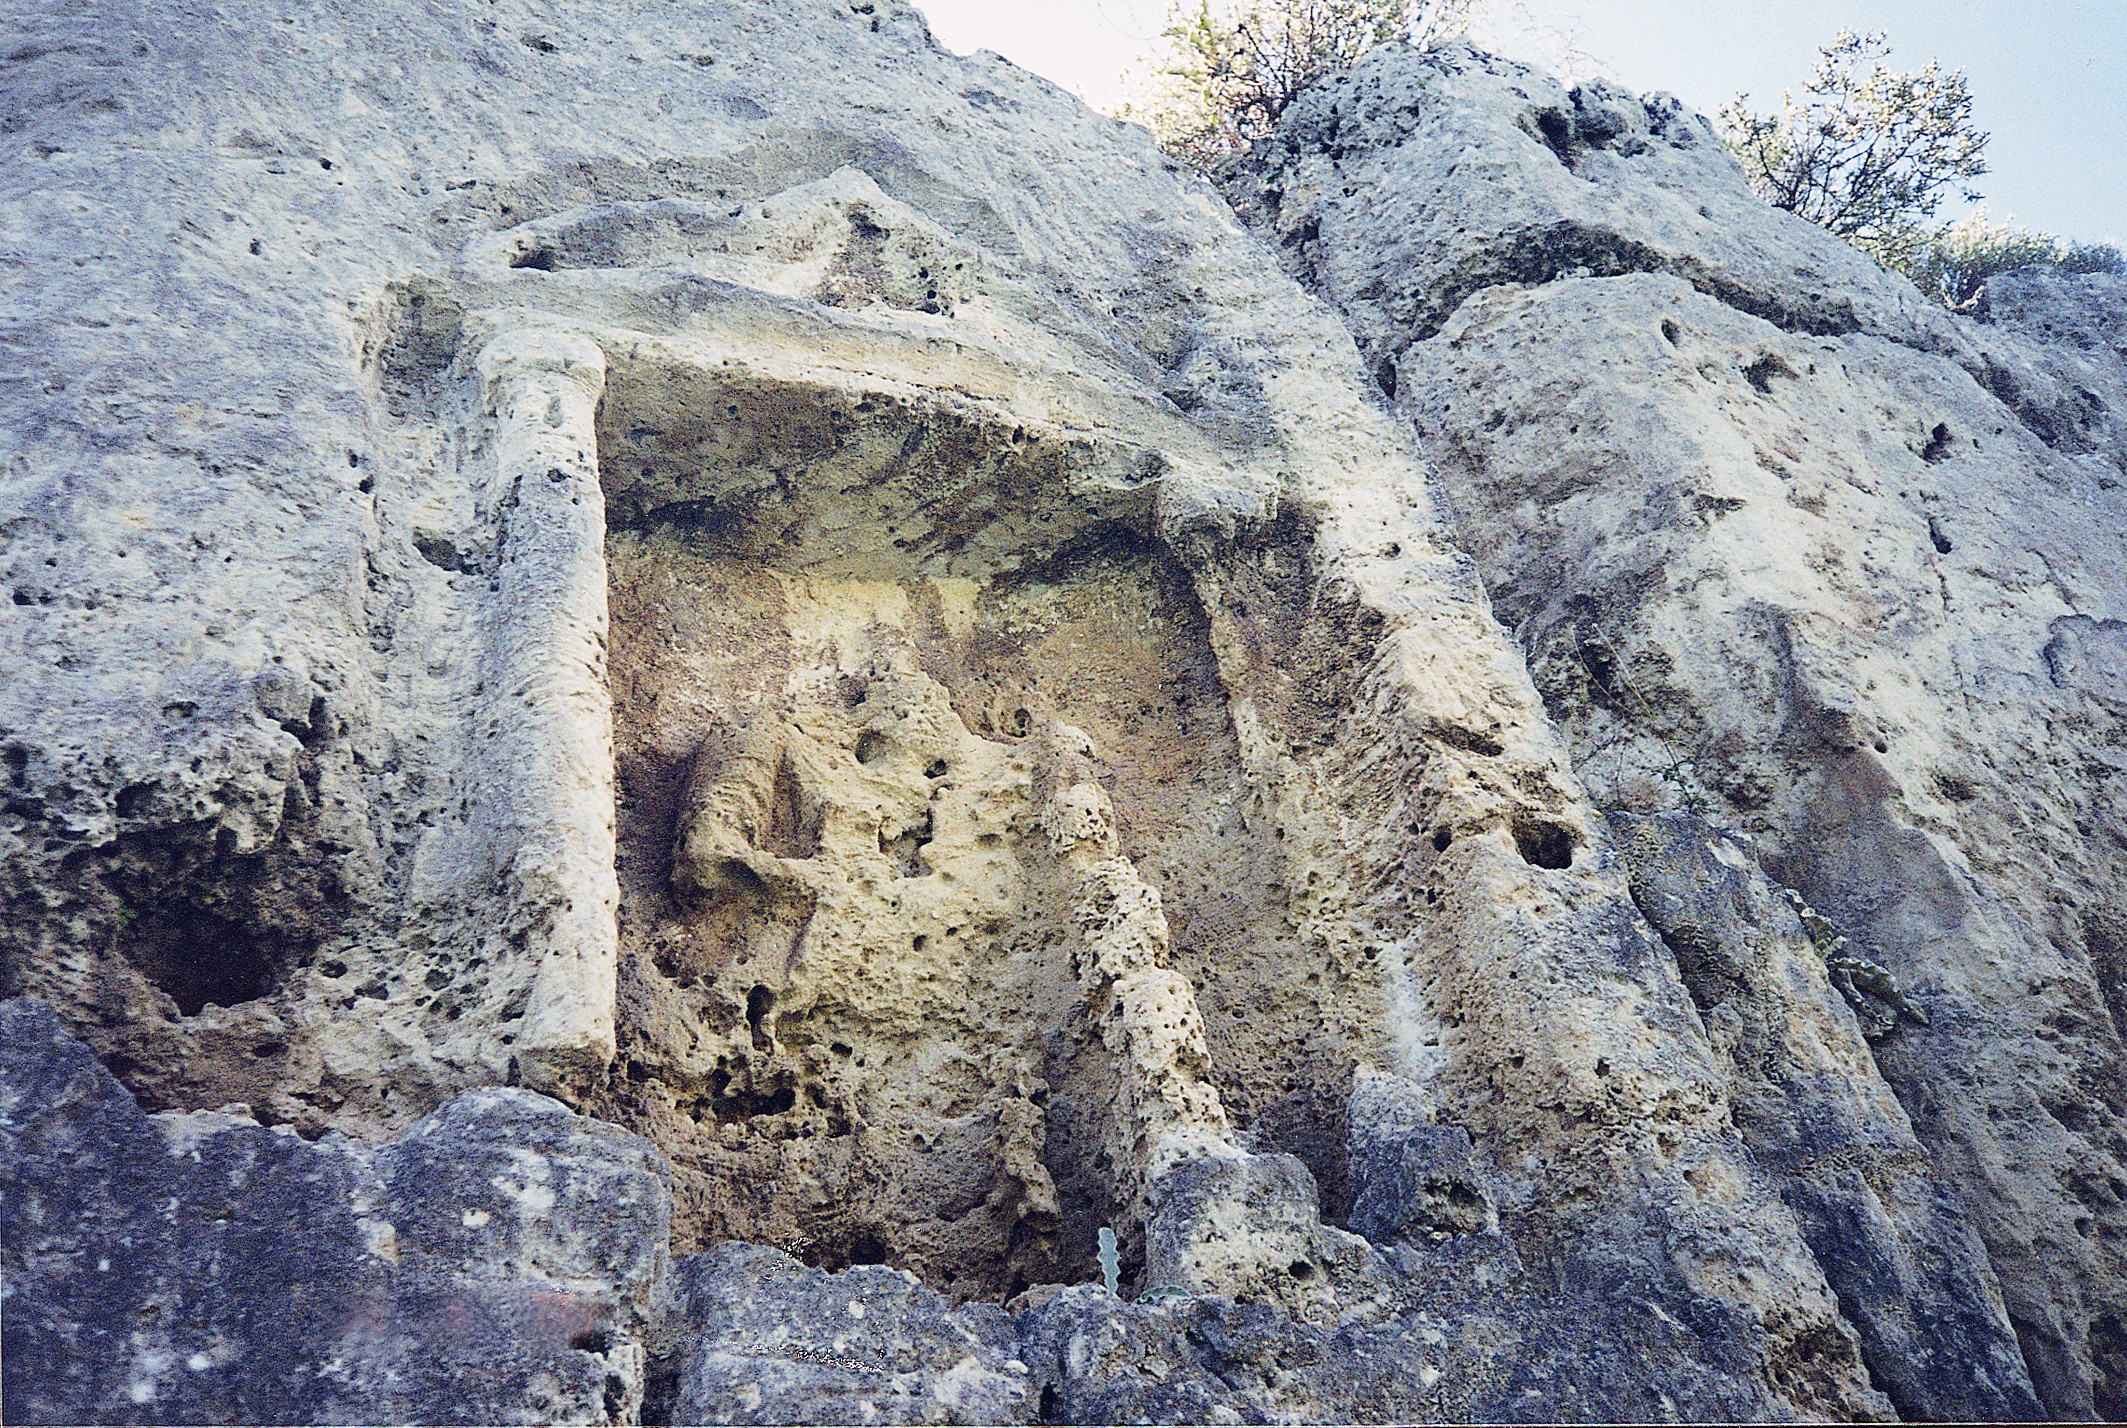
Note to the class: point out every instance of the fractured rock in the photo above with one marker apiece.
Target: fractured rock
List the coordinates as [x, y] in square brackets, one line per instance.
[818, 603]
[769, 1341]
[499, 1264]
[1789, 548]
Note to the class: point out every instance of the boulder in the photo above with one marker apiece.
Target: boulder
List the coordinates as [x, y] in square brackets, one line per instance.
[497, 1265]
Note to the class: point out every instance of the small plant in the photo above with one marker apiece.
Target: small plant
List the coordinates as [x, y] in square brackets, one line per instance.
[1604, 667]
[1684, 780]
[1111, 1269]
[1232, 68]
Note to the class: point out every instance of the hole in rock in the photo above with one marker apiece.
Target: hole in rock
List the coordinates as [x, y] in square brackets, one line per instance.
[873, 667]
[198, 958]
[207, 927]
[1542, 843]
[1761, 372]
[759, 1003]
[1471, 741]
[1557, 133]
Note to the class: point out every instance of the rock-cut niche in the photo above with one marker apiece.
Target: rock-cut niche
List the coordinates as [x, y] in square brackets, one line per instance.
[869, 656]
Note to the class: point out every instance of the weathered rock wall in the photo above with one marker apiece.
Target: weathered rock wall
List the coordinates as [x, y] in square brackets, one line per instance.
[820, 605]
[504, 1262]
[1789, 548]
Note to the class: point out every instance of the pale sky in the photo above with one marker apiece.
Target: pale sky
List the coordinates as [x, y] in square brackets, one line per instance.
[2049, 77]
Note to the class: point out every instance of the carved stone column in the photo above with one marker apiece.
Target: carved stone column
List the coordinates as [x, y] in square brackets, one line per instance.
[547, 715]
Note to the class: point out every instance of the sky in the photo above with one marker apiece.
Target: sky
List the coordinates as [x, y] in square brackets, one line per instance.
[2048, 77]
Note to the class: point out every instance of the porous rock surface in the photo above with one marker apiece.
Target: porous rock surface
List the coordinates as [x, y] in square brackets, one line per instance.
[1791, 550]
[723, 638]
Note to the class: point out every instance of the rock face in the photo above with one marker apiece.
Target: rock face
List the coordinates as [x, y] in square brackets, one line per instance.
[1789, 550]
[710, 633]
[506, 1262]
[497, 1265]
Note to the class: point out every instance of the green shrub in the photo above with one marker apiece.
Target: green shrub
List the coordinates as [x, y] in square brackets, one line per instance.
[1868, 153]
[1955, 263]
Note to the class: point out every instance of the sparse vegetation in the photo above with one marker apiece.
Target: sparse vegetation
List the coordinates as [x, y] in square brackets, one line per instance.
[1869, 153]
[1957, 262]
[1231, 69]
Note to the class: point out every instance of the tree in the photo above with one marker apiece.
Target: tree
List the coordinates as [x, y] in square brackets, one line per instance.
[1957, 262]
[1232, 70]
[1869, 154]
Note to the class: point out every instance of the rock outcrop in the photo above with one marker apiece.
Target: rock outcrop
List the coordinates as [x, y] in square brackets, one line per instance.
[1792, 550]
[697, 692]
[501, 1263]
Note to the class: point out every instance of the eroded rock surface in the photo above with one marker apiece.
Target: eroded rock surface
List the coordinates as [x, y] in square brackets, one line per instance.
[1788, 549]
[500, 1264]
[714, 603]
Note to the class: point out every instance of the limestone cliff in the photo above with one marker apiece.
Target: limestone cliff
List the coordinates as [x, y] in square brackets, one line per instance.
[691, 689]
[1792, 549]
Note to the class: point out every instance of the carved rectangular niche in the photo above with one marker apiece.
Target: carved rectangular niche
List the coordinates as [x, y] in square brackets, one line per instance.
[910, 714]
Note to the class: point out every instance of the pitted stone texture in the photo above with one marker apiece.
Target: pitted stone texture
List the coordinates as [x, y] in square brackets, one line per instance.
[1834, 637]
[254, 724]
[498, 1265]
[913, 366]
[1412, 1179]
[1787, 547]
[1249, 1227]
[766, 1340]
[1453, 1359]
[856, 809]
[2068, 381]
[1419, 178]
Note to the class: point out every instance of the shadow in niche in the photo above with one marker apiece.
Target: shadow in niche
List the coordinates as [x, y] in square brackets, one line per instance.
[849, 641]
[211, 928]
[198, 958]
[179, 926]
